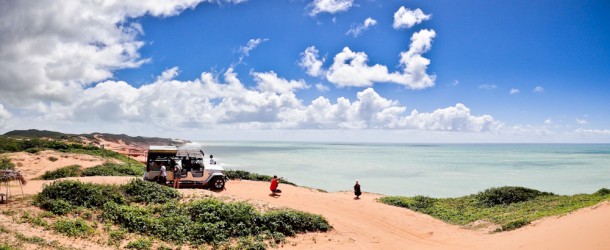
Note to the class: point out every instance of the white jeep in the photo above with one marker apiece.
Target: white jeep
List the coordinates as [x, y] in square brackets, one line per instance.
[194, 171]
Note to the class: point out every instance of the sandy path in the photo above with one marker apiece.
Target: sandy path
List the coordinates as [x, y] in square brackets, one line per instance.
[367, 224]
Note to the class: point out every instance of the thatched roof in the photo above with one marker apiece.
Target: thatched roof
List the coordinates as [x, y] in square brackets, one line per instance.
[11, 175]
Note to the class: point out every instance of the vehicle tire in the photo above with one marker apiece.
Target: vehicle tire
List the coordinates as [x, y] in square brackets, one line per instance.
[218, 183]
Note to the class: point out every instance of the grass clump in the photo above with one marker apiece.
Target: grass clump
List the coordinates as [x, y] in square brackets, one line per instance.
[68, 171]
[73, 228]
[245, 175]
[602, 192]
[115, 169]
[53, 158]
[6, 163]
[138, 190]
[510, 208]
[140, 244]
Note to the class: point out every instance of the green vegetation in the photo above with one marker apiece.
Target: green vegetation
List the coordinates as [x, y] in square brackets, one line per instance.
[6, 164]
[114, 169]
[53, 158]
[68, 171]
[509, 207]
[245, 175]
[73, 228]
[207, 221]
[34, 145]
[140, 244]
[138, 190]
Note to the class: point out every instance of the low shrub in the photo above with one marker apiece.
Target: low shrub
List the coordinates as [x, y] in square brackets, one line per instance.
[57, 206]
[79, 194]
[53, 158]
[245, 175]
[507, 195]
[114, 169]
[73, 228]
[290, 222]
[68, 171]
[416, 203]
[602, 192]
[116, 236]
[513, 225]
[6, 164]
[140, 244]
[138, 190]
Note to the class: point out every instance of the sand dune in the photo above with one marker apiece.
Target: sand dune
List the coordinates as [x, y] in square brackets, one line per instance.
[366, 223]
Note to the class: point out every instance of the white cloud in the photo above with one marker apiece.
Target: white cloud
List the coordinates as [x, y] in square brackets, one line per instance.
[359, 28]
[581, 121]
[538, 89]
[270, 82]
[488, 86]
[51, 49]
[350, 68]
[406, 18]
[330, 6]
[311, 63]
[322, 88]
[513, 91]
[252, 44]
[454, 83]
[548, 121]
[592, 131]
[4, 115]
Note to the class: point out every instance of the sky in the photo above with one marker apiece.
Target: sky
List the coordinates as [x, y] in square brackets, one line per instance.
[309, 70]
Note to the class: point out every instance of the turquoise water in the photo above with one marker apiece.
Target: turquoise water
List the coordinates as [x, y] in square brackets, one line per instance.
[443, 170]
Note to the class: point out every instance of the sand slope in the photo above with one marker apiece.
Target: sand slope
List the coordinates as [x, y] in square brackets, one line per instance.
[358, 224]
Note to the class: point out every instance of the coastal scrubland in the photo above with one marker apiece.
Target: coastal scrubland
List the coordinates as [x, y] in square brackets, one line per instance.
[507, 207]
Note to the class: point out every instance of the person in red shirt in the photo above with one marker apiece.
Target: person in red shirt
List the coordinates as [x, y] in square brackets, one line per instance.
[274, 184]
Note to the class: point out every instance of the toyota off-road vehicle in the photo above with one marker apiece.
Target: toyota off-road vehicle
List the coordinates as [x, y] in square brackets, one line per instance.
[194, 172]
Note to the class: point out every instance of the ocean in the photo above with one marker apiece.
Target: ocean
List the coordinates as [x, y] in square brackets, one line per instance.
[435, 170]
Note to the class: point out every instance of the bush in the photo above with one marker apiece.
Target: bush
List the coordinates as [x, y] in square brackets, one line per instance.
[290, 222]
[68, 171]
[507, 195]
[417, 203]
[80, 194]
[6, 164]
[138, 190]
[57, 206]
[602, 192]
[114, 169]
[513, 225]
[245, 175]
[140, 244]
[53, 158]
[73, 228]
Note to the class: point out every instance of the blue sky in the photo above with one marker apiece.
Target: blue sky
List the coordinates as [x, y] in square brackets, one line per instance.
[513, 71]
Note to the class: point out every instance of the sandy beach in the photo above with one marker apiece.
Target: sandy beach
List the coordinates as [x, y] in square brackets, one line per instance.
[358, 224]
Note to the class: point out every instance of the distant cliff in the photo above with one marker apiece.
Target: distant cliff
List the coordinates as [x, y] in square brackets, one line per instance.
[94, 137]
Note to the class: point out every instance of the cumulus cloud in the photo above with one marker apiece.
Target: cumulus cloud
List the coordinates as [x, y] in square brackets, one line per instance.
[548, 121]
[538, 89]
[406, 18]
[322, 88]
[355, 30]
[311, 63]
[4, 115]
[351, 69]
[208, 102]
[513, 91]
[50, 50]
[330, 6]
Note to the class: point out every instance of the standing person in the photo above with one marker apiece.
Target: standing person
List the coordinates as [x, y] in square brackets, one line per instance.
[357, 190]
[274, 184]
[177, 173]
[163, 177]
[212, 161]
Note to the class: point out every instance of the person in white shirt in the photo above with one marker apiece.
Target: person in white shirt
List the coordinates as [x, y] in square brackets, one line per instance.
[163, 177]
[212, 161]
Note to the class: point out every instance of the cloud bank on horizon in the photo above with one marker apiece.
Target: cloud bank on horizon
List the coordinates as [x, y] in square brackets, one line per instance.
[59, 60]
